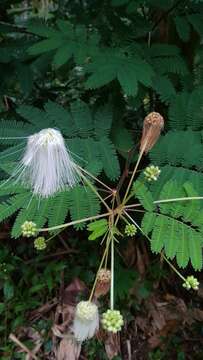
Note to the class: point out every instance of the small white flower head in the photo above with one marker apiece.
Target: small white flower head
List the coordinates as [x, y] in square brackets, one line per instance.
[130, 230]
[29, 229]
[112, 321]
[152, 173]
[86, 321]
[40, 243]
[47, 165]
[191, 283]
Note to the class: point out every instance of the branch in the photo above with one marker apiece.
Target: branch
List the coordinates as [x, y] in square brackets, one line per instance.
[166, 14]
[74, 222]
[16, 28]
[22, 346]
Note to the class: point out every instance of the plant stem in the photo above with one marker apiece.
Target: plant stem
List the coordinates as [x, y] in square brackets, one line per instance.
[178, 199]
[94, 190]
[74, 222]
[165, 258]
[95, 178]
[173, 267]
[167, 201]
[132, 176]
[112, 275]
[51, 237]
[135, 168]
[100, 266]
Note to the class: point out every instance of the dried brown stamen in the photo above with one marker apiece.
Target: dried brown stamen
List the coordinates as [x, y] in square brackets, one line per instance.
[153, 124]
[103, 282]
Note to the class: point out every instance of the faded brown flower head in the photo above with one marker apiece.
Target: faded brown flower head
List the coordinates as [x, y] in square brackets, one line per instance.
[103, 282]
[153, 124]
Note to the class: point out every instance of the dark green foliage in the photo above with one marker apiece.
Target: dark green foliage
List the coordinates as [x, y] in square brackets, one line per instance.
[185, 110]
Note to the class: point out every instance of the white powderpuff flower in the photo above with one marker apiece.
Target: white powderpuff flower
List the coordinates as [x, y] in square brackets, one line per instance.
[86, 321]
[47, 165]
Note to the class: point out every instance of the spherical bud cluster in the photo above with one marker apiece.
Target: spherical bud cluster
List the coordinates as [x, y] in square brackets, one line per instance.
[130, 230]
[152, 173]
[191, 283]
[3, 267]
[29, 229]
[112, 320]
[40, 243]
[86, 321]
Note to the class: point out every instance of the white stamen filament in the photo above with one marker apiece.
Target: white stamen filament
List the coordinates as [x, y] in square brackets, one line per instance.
[46, 165]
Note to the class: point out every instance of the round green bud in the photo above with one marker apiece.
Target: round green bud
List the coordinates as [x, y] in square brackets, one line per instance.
[40, 243]
[130, 230]
[191, 283]
[29, 229]
[112, 320]
[152, 173]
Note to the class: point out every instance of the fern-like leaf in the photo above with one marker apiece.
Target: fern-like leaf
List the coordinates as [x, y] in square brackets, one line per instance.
[83, 204]
[144, 195]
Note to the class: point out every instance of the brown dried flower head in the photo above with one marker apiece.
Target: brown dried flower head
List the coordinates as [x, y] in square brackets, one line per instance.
[103, 282]
[153, 124]
[104, 275]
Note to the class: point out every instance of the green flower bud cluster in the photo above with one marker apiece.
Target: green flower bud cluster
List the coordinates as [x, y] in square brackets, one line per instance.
[3, 267]
[29, 229]
[40, 243]
[191, 283]
[152, 173]
[130, 230]
[112, 320]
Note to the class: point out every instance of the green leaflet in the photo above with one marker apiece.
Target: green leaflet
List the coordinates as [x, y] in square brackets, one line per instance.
[185, 110]
[59, 207]
[178, 228]
[13, 204]
[115, 65]
[109, 158]
[97, 229]
[165, 151]
[83, 203]
[64, 42]
[175, 238]
[164, 87]
[182, 27]
[143, 194]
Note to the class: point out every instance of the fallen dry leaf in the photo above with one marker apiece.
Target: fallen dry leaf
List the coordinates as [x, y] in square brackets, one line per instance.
[112, 345]
[164, 316]
[197, 314]
[71, 291]
[130, 252]
[140, 264]
[68, 350]
[38, 313]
